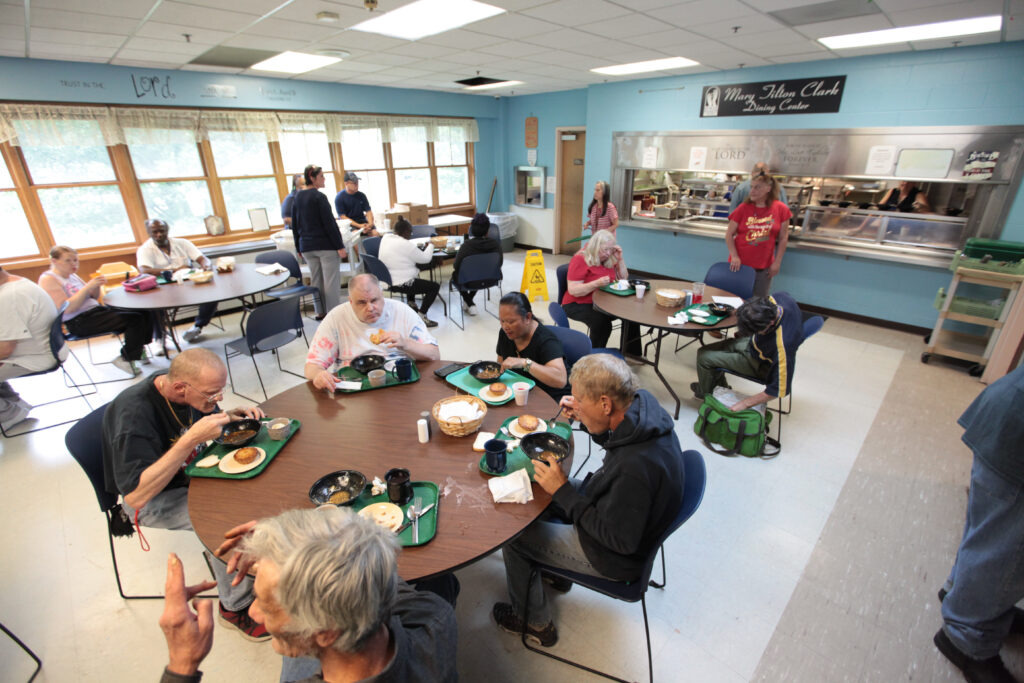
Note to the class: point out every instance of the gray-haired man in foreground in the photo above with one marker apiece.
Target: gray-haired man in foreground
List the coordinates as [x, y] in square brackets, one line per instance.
[327, 587]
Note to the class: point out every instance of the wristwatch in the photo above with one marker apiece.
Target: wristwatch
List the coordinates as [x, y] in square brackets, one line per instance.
[527, 364]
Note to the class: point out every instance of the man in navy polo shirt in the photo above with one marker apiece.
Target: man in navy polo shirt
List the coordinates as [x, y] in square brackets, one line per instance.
[353, 205]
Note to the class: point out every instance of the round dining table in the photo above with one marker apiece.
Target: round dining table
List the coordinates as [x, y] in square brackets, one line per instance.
[647, 312]
[240, 283]
[372, 432]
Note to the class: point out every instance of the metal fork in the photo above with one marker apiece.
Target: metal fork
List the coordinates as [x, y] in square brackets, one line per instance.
[416, 505]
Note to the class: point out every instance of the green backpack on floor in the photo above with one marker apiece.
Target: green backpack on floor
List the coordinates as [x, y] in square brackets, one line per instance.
[735, 433]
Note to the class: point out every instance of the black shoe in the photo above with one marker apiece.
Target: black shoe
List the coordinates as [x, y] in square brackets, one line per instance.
[557, 583]
[697, 393]
[991, 670]
[507, 620]
[1016, 626]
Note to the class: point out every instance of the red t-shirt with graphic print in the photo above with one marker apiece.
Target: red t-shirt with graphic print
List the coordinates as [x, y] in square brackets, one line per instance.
[757, 231]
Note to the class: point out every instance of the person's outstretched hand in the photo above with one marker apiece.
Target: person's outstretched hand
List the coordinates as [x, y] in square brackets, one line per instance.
[189, 633]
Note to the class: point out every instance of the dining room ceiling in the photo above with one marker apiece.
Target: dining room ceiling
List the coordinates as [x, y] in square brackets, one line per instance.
[549, 45]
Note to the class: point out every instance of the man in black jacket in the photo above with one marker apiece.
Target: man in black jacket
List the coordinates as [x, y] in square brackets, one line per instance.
[479, 244]
[613, 519]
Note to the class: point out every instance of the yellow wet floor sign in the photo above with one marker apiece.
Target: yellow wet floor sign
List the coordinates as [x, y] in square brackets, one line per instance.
[535, 282]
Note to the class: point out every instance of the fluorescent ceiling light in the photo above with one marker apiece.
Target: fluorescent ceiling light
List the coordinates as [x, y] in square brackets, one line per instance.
[490, 86]
[294, 63]
[428, 17]
[651, 65]
[906, 34]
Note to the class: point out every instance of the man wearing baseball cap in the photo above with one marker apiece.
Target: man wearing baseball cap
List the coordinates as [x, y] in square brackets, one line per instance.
[353, 205]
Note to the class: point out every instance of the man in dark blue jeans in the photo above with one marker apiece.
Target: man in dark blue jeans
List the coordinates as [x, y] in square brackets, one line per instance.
[987, 580]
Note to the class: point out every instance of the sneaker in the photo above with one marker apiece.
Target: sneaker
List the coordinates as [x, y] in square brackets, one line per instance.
[991, 670]
[18, 413]
[427, 321]
[121, 363]
[192, 333]
[243, 623]
[145, 360]
[507, 620]
[557, 583]
[472, 310]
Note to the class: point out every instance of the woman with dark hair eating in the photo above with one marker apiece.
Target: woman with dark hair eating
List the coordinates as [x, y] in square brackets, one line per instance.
[530, 348]
[479, 243]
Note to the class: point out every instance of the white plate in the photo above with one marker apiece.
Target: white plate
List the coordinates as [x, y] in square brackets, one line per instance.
[486, 395]
[516, 430]
[697, 313]
[387, 515]
[228, 465]
[208, 461]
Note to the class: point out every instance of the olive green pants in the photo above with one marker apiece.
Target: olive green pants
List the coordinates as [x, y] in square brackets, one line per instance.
[730, 354]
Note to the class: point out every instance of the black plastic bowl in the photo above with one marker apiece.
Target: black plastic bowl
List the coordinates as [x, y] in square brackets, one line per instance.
[536, 443]
[633, 282]
[483, 366]
[227, 436]
[720, 309]
[326, 486]
[367, 362]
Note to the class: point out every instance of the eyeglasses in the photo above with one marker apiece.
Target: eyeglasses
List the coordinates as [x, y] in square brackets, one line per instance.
[209, 398]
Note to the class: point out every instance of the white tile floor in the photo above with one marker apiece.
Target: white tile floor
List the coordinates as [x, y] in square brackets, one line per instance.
[731, 570]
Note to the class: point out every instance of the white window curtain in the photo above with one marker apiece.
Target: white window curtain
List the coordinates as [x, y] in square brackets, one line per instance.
[239, 122]
[412, 128]
[157, 126]
[46, 126]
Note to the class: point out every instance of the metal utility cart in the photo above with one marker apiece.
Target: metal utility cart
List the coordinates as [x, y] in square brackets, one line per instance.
[977, 264]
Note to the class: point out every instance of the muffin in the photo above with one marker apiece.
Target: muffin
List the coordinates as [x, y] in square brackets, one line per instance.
[244, 456]
[497, 389]
[528, 422]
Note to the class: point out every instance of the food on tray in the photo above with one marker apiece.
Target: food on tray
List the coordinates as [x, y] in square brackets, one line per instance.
[377, 337]
[550, 457]
[491, 373]
[244, 456]
[496, 389]
[208, 461]
[339, 497]
[528, 423]
[481, 438]
[240, 436]
[387, 515]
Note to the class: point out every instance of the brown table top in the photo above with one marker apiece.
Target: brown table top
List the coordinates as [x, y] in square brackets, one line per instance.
[243, 281]
[647, 312]
[372, 432]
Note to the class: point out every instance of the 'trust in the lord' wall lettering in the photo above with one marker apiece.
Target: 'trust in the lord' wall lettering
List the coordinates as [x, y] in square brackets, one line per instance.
[156, 87]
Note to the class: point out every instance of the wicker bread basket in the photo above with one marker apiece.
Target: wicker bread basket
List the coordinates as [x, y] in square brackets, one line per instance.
[669, 298]
[457, 427]
[439, 242]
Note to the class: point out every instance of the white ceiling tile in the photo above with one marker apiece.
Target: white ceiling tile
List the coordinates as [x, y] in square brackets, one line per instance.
[15, 45]
[803, 46]
[625, 27]
[12, 14]
[111, 8]
[467, 58]
[511, 26]
[79, 21]
[564, 38]
[511, 48]
[874, 50]
[776, 5]
[422, 50]
[438, 65]
[725, 63]
[951, 12]
[756, 41]
[150, 55]
[173, 32]
[54, 35]
[281, 28]
[574, 12]
[873, 22]
[266, 43]
[12, 32]
[321, 77]
[212, 69]
[403, 72]
[376, 78]
[687, 14]
[747, 26]
[357, 67]
[646, 5]
[387, 59]
[961, 41]
[516, 5]
[62, 51]
[306, 10]
[191, 15]
[672, 40]
[803, 57]
[888, 6]
[460, 38]
[363, 41]
[567, 59]
[170, 46]
[257, 7]
[144, 63]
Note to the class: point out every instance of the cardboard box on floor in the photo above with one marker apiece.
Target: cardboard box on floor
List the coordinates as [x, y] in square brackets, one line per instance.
[416, 214]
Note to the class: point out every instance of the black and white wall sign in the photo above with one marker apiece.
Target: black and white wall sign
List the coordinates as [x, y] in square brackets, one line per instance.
[804, 96]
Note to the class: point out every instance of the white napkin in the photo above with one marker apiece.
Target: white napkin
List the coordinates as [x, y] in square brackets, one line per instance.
[462, 410]
[512, 488]
[271, 268]
[733, 301]
[349, 386]
[679, 318]
[730, 397]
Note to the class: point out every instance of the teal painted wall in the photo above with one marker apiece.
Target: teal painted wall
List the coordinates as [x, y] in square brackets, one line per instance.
[981, 85]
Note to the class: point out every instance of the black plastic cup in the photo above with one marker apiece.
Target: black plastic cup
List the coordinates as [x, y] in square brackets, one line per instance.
[399, 486]
[403, 369]
[496, 455]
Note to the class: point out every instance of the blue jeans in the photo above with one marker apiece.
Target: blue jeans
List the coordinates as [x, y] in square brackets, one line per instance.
[169, 510]
[988, 576]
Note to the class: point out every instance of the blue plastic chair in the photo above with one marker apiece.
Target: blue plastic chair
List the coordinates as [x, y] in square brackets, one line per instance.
[740, 283]
[476, 272]
[374, 266]
[268, 328]
[562, 275]
[557, 314]
[634, 591]
[288, 260]
[371, 246]
[423, 231]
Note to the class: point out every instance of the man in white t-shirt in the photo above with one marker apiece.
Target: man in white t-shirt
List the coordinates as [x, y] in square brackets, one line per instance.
[162, 252]
[366, 323]
[26, 316]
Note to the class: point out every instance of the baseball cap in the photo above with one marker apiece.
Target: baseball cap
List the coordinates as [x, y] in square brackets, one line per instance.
[351, 177]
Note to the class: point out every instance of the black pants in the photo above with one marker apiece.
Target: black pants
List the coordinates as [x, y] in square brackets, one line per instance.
[600, 325]
[136, 328]
[427, 288]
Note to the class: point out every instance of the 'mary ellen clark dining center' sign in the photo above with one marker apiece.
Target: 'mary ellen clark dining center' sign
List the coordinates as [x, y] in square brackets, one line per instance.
[803, 96]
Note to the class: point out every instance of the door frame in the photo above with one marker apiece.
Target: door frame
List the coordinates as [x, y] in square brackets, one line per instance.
[556, 244]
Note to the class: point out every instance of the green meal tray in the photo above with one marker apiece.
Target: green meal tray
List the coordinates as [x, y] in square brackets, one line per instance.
[516, 459]
[427, 490]
[709, 321]
[471, 385]
[619, 292]
[350, 374]
[262, 440]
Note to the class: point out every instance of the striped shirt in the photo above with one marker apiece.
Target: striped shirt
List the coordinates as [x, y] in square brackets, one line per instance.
[598, 222]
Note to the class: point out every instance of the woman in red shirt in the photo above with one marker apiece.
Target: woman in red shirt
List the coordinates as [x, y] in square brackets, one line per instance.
[601, 214]
[758, 232]
[598, 264]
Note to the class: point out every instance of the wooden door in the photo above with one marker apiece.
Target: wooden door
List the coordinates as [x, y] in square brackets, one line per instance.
[570, 200]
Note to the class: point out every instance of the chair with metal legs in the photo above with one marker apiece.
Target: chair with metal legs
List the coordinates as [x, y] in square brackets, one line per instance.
[268, 328]
[288, 260]
[27, 649]
[477, 272]
[632, 591]
[740, 283]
